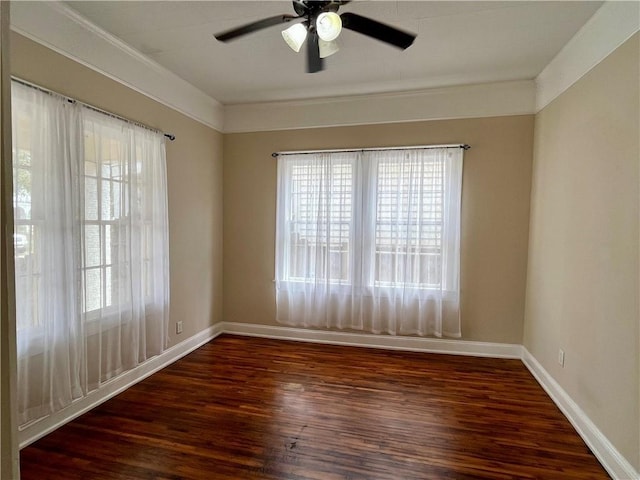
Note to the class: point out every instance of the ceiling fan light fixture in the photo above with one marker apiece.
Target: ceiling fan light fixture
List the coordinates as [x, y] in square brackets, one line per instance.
[327, 48]
[328, 26]
[295, 36]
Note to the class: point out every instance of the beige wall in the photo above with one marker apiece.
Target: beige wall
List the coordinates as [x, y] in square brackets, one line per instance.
[495, 212]
[194, 171]
[582, 290]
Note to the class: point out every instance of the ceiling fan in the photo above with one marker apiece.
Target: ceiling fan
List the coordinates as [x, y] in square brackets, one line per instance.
[319, 23]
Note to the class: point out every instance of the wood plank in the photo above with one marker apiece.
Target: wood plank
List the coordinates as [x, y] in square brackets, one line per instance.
[250, 408]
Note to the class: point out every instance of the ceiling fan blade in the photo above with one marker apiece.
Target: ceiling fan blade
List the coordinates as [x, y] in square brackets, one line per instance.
[254, 26]
[375, 29]
[314, 62]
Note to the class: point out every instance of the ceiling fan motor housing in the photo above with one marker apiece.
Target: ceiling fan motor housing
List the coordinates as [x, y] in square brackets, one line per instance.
[309, 8]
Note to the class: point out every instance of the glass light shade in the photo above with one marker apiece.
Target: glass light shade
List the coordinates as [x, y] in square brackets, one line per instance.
[295, 36]
[328, 26]
[327, 48]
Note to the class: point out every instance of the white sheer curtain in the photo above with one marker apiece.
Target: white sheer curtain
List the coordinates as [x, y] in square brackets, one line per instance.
[91, 248]
[125, 269]
[370, 240]
[48, 203]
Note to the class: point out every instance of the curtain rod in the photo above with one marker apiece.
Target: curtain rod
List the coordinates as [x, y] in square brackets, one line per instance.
[464, 146]
[170, 136]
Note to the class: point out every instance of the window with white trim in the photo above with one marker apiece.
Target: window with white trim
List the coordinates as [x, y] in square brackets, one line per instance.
[105, 202]
[106, 205]
[408, 227]
[319, 225]
[356, 226]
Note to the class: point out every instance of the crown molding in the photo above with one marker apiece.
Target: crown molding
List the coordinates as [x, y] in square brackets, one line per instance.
[60, 28]
[465, 101]
[63, 30]
[613, 24]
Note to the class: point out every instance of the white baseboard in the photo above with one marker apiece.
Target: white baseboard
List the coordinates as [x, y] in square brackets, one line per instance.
[391, 342]
[614, 463]
[42, 427]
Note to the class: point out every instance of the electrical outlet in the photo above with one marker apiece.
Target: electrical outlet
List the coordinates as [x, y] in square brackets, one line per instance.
[179, 327]
[561, 357]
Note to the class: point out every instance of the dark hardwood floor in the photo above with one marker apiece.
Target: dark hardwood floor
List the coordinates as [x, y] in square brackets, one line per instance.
[249, 408]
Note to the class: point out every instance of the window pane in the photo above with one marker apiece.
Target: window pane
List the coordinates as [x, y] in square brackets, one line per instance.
[27, 276]
[109, 285]
[90, 198]
[89, 145]
[116, 171]
[108, 242]
[90, 168]
[93, 289]
[111, 152]
[107, 200]
[22, 183]
[24, 158]
[111, 200]
[116, 199]
[320, 220]
[92, 245]
[21, 242]
[409, 221]
[22, 139]
[25, 244]
[22, 186]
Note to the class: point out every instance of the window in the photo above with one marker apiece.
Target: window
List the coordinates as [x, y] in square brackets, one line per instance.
[365, 226]
[107, 230]
[27, 229]
[408, 229]
[106, 199]
[91, 248]
[319, 225]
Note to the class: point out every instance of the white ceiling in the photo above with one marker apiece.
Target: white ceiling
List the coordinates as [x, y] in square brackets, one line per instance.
[458, 43]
